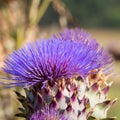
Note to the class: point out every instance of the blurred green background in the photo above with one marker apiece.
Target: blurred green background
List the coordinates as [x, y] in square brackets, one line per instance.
[89, 13]
[23, 21]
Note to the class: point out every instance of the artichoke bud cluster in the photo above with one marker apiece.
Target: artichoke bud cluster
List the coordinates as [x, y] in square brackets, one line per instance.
[75, 98]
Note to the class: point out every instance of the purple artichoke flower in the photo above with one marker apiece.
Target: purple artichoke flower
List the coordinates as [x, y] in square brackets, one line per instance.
[75, 35]
[66, 73]
[47, 61]
[48, 114]
[79, 35]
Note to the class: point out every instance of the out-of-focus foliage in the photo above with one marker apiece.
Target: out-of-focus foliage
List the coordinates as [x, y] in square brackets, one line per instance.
[91, 13]
[19, 19]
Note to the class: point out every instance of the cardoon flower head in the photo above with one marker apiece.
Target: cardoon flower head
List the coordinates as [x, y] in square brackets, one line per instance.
[79, 35]
[76, 35]
[67, 73]
[48, 61]
[48, 114]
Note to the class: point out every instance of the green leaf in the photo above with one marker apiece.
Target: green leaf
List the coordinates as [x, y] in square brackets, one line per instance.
[20, 115]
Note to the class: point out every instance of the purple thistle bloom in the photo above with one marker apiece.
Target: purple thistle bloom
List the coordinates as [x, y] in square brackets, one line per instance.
[48, 114]
[75, 35]
[79, 35]
[47, 61]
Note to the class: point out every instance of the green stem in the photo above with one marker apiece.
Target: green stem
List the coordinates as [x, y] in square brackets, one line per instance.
[42, 9]
[20, 37]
